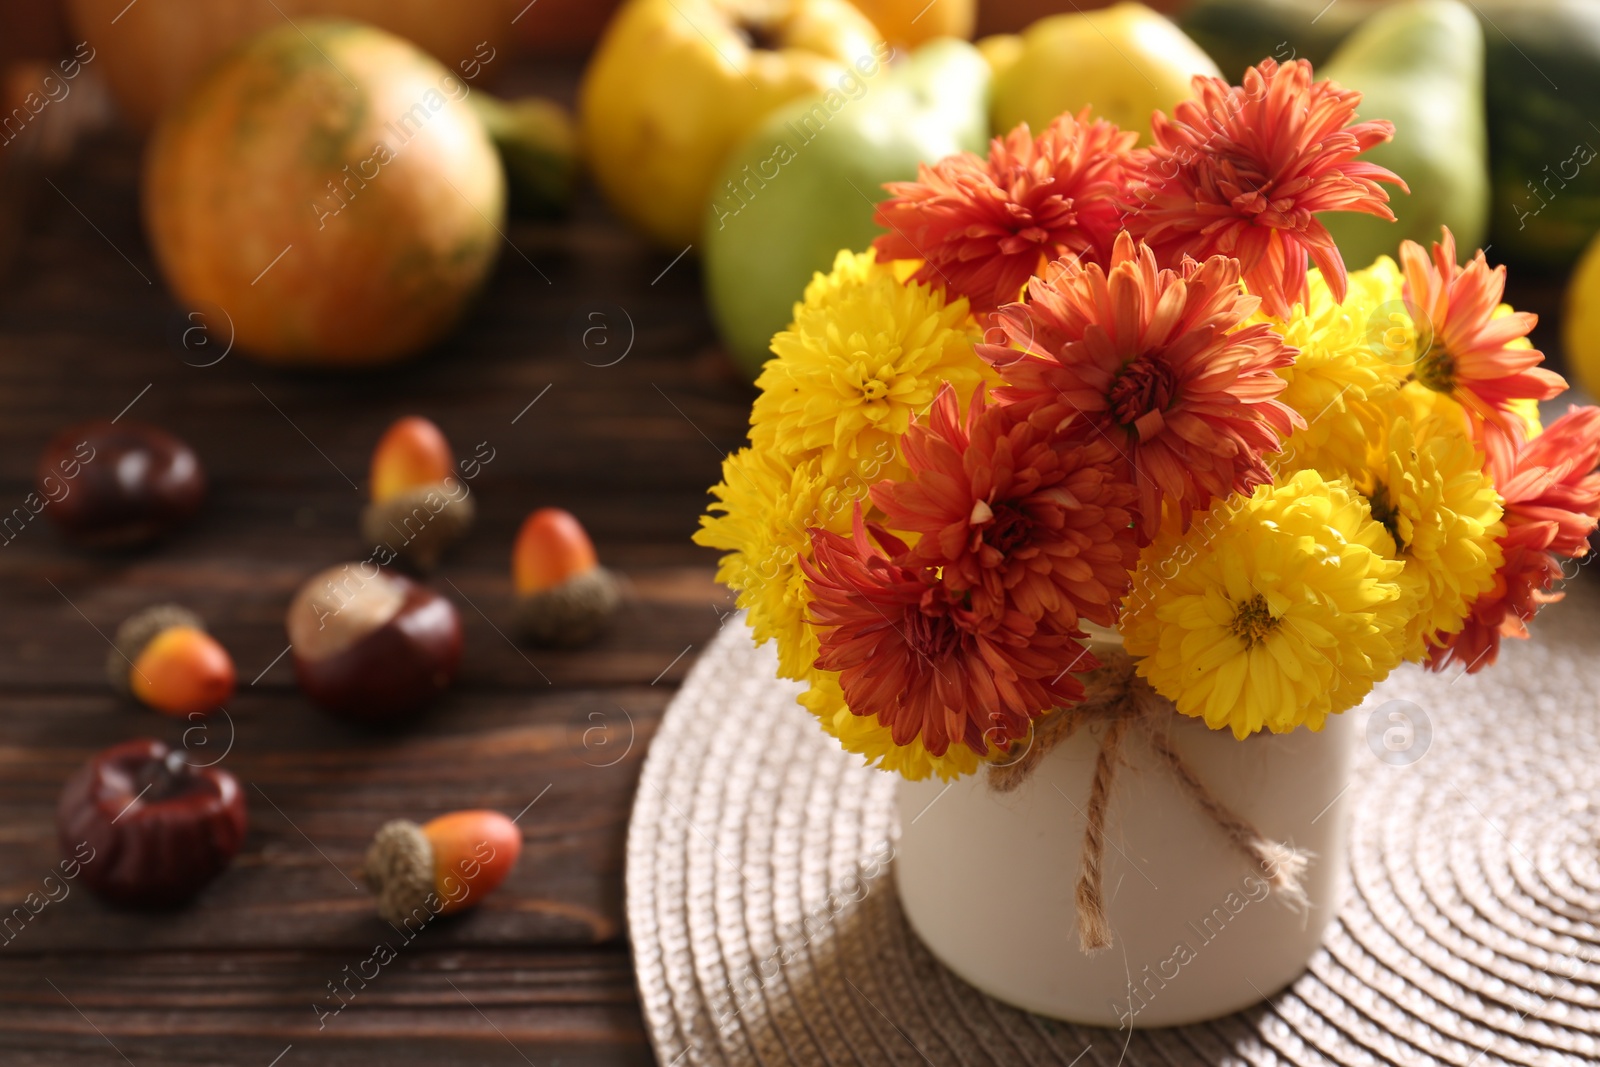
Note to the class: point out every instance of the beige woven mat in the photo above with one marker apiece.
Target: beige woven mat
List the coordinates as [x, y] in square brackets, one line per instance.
[766, 929]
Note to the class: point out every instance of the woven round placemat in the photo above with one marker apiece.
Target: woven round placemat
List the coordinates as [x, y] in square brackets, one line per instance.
[766, 928]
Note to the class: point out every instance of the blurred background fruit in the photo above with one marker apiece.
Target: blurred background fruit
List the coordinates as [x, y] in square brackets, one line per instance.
[1419, 64]
[674, 84]
[569, 27]
[776, 219]
[1239, 33]
[1544, 187]
[1125, 62]
[1001, 50]
[911, 22]
[321, 188]
[153, 50]
[1543, 74]
[1580, 321]
[538, 145]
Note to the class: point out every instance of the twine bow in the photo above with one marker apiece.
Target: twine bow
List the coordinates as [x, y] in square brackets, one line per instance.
[1114, 694]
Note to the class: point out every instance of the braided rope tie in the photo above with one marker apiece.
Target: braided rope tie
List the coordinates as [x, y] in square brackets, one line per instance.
[1115, 694]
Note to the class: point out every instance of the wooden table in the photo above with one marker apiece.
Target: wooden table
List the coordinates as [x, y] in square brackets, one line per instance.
[541, 972]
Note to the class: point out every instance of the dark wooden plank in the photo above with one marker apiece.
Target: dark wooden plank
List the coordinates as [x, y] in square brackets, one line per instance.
[424, 1006]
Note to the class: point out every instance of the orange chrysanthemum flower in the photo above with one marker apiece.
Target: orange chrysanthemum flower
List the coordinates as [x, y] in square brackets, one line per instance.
[1243, 171]
[1474, 355]
[1552, 503]
[983, 227]
[1157, 363]
[1013, 519]
[930, 669]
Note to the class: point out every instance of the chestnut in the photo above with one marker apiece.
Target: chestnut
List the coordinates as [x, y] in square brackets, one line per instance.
[419, 507]
[371, 644]
[119, 485]
[160, 829]
[564, 596]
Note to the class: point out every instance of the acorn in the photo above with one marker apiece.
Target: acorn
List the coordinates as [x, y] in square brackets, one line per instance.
[164, 659]
[156, 829]
[564, 596]
[446, 865]
[370, 644]
[420, 507]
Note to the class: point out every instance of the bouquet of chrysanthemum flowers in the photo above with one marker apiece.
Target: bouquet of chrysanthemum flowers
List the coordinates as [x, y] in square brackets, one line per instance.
[1082, 382]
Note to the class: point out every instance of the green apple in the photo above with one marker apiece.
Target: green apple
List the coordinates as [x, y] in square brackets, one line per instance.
[805, 183]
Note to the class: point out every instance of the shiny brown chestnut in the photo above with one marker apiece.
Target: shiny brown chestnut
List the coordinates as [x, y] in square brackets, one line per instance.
[158, 828]
[119, 485]
[370, 644]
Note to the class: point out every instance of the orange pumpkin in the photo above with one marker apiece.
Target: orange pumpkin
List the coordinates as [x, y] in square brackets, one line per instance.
[152, 51]
[329, 192]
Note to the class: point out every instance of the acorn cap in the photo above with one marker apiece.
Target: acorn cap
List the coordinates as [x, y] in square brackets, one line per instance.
[399, 870]
[416, 532]
[572, 613]
[139, 630]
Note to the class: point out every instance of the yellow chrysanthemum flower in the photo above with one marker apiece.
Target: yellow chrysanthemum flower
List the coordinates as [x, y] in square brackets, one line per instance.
[1351, 355]
[1274, 610]
[866, 736]
[864, 354]
[766, 510]
[1428, 487]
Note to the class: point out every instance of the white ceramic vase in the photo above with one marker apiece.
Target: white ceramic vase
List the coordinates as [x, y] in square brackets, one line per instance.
[987, 879]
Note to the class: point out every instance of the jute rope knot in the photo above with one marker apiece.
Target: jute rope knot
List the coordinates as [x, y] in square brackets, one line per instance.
[1116, 696]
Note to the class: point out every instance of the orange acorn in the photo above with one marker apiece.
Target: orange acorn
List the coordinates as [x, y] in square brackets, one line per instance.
[164, 658]
[446, 865]
[419, 505]
[564, 596]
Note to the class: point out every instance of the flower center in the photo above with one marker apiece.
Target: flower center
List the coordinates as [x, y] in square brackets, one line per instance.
[1008, 528]
[931, 637]
[873, 389]
[1144, 386]
[1386, 514]
[1436, 369]
[1254, 621]
[1012, 528]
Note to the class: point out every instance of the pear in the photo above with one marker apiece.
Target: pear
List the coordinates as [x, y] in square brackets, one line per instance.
[805, 184]
[1419, 64]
